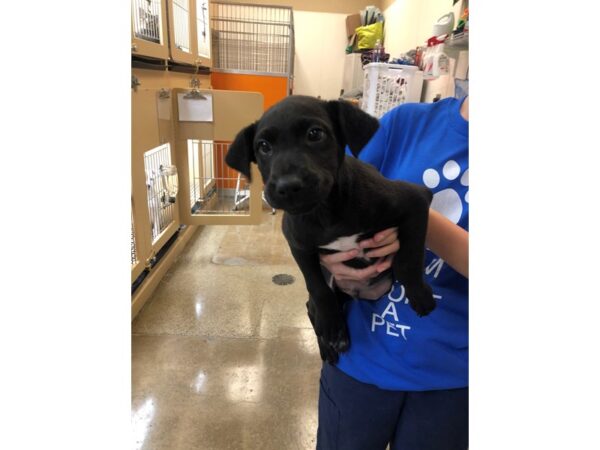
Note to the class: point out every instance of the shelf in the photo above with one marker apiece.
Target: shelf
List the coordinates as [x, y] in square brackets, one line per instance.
[459, 40]
[138, 62]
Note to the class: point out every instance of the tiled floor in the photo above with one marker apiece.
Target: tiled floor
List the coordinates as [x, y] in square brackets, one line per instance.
[223, 358]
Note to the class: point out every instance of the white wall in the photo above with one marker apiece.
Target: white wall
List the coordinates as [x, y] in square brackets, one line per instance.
[400, 26]
[409, 23]
[320, 40]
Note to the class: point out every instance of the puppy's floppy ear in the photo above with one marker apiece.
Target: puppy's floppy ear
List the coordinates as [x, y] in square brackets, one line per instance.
[353, 126]
[241, 152]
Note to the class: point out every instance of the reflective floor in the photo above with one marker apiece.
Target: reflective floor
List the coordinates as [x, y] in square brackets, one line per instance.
[222, 357]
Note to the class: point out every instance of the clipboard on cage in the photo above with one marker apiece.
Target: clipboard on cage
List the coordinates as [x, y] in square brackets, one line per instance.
[242, 194]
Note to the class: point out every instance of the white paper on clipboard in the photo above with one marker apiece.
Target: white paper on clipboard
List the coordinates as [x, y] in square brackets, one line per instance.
[195, 110]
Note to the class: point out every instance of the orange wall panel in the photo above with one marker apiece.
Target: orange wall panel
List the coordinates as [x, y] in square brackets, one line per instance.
[225, 175]
[273, 88]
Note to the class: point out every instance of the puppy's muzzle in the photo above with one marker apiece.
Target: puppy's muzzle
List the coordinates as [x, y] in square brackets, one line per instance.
[292, 193]
[288, 187]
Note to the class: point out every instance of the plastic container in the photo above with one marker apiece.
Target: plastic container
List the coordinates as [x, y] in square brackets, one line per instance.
[435, 61]
[388, 85]
[444, 25]
[378, 51]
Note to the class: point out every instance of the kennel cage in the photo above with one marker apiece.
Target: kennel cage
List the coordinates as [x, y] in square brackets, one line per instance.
[203, 28]
[181, 20]
[161, 199]
[253, 41]
[252, 38]
[146, 15]
[160, 137]
[214, 187]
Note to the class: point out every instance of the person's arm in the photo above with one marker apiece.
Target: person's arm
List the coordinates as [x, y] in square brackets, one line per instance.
[449, 241]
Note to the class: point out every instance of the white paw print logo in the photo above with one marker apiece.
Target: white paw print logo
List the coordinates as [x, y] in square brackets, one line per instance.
[448, 201]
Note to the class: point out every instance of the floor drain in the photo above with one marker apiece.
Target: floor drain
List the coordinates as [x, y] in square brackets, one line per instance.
[282, 279]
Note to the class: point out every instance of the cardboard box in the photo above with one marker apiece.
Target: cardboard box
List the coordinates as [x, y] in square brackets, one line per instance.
[352, 23]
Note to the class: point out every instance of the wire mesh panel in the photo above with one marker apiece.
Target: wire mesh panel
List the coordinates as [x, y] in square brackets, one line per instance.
[181, 20]
[201, 166]
[147, 20]
[215, 188]
[252, 38]
[160, 207]
[134, 257]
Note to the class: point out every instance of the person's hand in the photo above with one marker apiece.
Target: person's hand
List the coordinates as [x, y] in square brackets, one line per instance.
[382, 245]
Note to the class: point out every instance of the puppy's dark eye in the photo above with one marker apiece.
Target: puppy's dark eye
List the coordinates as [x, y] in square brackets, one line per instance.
[315, 134]
[263, 147]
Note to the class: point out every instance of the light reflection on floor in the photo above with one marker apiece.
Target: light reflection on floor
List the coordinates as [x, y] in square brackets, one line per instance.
[140, 421]
[222, 358]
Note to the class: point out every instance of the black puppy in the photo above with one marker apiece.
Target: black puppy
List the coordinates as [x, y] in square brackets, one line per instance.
[299, 146]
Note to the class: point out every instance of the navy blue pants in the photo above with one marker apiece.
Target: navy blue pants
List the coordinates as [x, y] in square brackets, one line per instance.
[359, 416]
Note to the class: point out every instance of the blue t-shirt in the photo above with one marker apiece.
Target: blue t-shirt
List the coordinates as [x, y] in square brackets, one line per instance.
[390, 346]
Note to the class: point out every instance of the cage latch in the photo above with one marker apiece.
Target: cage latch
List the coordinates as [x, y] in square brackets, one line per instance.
[151, 261]
[135, 82]
[170, 184]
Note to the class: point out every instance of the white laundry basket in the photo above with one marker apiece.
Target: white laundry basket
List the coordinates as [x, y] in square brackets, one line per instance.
[389, 85]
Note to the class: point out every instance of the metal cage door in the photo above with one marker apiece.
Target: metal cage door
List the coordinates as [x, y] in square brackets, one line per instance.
[149, 28]
[210, 192]
[178, 171]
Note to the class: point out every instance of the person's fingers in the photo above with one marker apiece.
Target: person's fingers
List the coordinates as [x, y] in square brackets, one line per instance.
[388, 234]
[334, 262]
[348, 273]
[385, 250]
[343, 272]
[385, 263]
[335, 258]
[384, 237]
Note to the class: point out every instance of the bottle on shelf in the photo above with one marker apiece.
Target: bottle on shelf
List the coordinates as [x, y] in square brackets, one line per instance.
[378, 52]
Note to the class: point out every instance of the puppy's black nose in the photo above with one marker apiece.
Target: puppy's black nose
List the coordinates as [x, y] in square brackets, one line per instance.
[288, 185]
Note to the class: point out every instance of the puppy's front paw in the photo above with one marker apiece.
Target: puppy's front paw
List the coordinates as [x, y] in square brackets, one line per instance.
[420, 298]
[331, 328]
[341, 341]
[328, 353]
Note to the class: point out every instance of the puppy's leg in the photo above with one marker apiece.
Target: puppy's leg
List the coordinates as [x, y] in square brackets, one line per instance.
[409, 260]
[327, 352]
[329, 322]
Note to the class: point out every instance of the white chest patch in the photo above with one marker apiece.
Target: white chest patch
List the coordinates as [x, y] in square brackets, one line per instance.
[344, 243]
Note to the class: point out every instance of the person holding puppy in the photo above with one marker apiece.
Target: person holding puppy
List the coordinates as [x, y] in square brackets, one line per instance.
[404, 380]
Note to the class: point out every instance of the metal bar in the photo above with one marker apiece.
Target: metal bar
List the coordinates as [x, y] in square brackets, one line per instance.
[254, 5]
[248, 21]
[251, 72]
